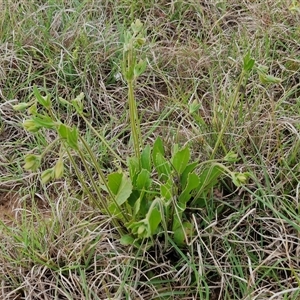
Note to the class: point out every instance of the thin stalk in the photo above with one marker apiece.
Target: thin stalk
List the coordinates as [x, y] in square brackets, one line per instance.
[134, 121]
[103, 140]
[82, 180]
[232, 105]
[87, 190]
[100, 173]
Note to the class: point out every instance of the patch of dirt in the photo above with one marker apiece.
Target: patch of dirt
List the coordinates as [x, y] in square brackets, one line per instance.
[10, 204]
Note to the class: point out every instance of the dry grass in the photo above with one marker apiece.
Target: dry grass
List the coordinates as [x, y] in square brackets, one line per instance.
[55, 245]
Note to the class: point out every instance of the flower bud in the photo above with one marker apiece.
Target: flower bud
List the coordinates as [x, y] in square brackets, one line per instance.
[58, 169]
[47, 175]
[32, 162]
[20, 107]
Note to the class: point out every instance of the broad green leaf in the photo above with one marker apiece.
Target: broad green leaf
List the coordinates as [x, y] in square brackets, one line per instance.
[192, 183]
[208, 179]
[189, 168]
[120, 186]
[166, 190]
[44, 101]
[143, 180]
[58, 169]
[134, 168]
[179, 236]
[180, 159]
[146, 158]
[137, 207]
[184, 230]
[163, 167]
[63, 130]
[72, 137]
[126, 240]
[134, 196]
[115, 210]
[154, 219]
[158, 147]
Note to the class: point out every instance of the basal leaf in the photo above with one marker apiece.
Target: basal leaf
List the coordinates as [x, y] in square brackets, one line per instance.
[192, 183]
[166, 190]
[158, 147]
[146, 158]
[120, 186]
[163, 167]
[126, 240]
[134, 168]
[180, 159]
[189, 168]
[143, 180]
[154, 219]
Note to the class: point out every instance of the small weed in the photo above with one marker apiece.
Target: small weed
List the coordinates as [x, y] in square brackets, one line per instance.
[154, 197]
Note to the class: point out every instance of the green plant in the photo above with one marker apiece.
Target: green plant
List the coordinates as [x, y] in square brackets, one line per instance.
[132, 69]
[151, 196]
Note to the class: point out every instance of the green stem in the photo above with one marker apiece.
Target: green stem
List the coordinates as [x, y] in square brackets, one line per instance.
[103, 140]
[232, 105]
[134, 121]
[95, 186]
[100, 173]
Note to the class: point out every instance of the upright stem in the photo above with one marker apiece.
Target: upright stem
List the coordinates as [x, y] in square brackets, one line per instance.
[134, 121]
[232, 105]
